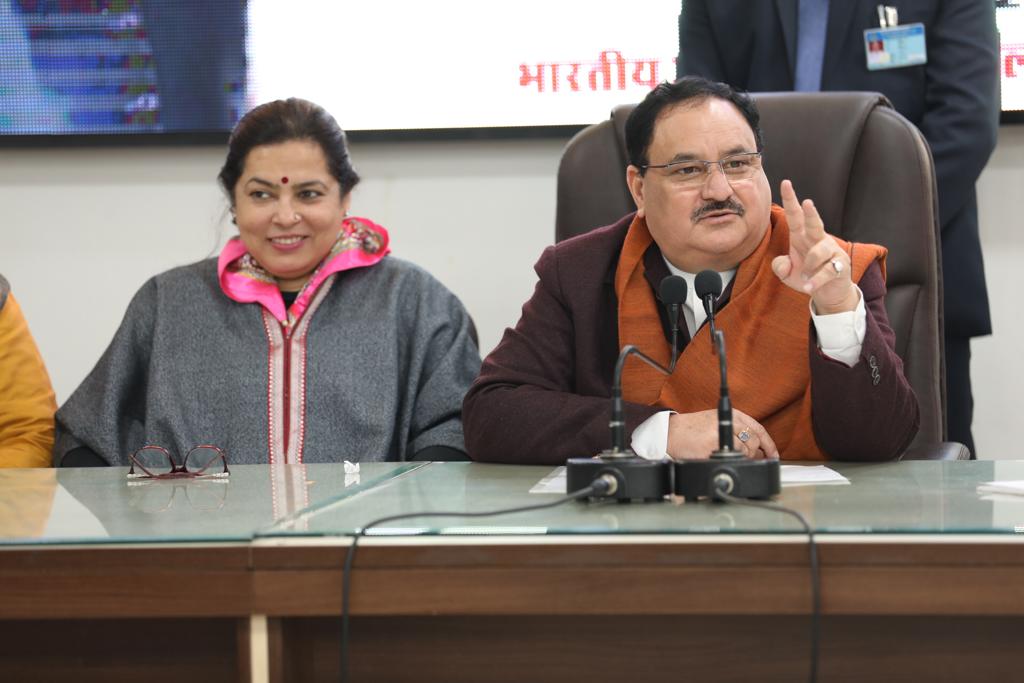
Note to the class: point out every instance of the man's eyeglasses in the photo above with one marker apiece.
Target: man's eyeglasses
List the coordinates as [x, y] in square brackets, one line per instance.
[156, 462]
[695, 172]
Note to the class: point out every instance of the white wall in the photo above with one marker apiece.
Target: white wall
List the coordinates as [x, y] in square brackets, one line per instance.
[997, 365]
[82, 229]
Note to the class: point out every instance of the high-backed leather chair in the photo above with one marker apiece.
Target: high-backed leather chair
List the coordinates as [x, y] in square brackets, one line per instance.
[870, 174]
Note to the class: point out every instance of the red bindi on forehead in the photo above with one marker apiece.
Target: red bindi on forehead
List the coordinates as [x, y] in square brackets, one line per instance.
[284, 180]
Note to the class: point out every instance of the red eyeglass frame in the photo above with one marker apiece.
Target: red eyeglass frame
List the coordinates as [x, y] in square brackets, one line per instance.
[179, 471]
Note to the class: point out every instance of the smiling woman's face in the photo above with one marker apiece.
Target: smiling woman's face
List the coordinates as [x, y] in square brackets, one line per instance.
[289, 209]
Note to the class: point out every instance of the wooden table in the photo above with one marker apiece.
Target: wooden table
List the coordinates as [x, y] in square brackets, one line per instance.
[613, 604]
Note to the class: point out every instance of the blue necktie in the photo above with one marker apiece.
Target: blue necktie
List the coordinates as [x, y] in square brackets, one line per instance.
[812, 20]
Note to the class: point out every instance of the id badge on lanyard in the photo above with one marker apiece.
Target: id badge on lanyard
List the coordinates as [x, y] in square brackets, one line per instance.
[892, 46]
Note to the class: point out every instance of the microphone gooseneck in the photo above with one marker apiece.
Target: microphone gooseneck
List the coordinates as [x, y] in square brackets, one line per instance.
[618, 421]
[725, 436]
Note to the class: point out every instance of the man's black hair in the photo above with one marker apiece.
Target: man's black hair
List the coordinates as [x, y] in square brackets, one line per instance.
[687, 90]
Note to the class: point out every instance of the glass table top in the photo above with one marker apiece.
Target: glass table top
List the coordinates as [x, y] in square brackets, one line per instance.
[99, 505]
[910, 497]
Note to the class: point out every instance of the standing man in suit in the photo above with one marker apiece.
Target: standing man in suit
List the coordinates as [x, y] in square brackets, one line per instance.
[951, 93]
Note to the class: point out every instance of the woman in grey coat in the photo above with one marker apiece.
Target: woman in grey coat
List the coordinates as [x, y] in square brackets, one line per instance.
[303, 342]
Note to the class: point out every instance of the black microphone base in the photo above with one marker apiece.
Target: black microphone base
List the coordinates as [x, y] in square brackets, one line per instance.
[738, 477]
[638, 478]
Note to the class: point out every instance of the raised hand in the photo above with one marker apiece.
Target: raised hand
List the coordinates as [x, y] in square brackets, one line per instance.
[816, 265]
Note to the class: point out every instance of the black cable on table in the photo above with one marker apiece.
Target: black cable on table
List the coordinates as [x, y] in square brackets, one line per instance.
[812, 549]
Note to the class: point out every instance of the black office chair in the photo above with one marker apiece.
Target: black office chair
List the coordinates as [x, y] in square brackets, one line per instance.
[871, 176]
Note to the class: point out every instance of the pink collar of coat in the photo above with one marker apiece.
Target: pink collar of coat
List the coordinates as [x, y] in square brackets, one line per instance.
[360, 243]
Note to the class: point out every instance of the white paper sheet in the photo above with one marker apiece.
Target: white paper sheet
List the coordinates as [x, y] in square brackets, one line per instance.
[810, 475]
[1012, 487]
[554, 481]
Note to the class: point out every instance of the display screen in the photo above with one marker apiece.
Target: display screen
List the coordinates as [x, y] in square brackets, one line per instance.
[145, 68]
[1010, 20]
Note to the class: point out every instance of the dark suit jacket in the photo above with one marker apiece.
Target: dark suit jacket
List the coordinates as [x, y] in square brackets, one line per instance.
[953, 99]
[543, 393]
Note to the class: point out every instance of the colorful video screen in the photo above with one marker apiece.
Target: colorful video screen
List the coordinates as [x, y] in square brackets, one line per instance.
[1010, 21]
[110, 67]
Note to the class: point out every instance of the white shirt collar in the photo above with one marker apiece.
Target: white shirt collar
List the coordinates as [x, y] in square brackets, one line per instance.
[693, 310]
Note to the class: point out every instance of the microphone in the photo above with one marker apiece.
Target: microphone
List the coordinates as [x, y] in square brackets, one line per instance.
[728, 472]
[637, 478]
[672, 293]
[708, 285]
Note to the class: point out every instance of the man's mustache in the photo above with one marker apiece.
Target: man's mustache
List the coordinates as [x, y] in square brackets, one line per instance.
[711, 207]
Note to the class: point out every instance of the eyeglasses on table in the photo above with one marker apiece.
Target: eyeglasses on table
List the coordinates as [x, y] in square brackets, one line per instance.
[156, 462]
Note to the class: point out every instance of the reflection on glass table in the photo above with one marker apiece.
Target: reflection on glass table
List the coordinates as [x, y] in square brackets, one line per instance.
[153, 496]
[903, 498]
[100, 504]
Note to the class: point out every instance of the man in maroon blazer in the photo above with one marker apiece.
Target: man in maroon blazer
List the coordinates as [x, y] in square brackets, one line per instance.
[694, 148]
